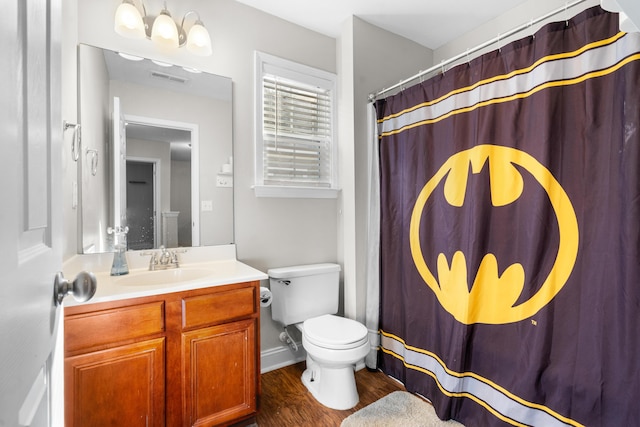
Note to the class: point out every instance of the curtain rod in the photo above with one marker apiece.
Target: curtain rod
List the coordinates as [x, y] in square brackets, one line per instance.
[373, 96]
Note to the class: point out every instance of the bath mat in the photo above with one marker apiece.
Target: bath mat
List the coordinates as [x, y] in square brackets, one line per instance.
[399, 408]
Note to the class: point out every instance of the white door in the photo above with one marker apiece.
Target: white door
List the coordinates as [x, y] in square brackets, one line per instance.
[30, 208]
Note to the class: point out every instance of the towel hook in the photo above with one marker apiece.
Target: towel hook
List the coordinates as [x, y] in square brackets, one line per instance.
[77, 137]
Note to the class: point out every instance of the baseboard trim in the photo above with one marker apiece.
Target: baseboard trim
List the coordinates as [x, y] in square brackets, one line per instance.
[279, 357]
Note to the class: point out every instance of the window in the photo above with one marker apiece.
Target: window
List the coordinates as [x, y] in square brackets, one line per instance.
[295, 130]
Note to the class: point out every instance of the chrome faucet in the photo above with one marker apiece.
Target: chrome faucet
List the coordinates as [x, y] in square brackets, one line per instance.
[166, 259]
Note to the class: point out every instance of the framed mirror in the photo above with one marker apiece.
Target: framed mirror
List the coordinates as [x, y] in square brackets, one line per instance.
[155, 154]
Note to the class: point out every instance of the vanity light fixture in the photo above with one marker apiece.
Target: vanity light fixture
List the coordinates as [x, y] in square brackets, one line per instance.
[162, 30]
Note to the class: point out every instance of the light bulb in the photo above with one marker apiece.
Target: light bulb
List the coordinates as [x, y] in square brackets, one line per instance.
[198, 40]
[128, 22]
[164, 32]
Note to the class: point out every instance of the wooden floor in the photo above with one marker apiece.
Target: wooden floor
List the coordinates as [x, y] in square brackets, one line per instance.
[286, 402]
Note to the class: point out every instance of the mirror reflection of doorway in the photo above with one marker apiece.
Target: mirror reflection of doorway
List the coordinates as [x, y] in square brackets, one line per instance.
[174, 147]
[140, 205]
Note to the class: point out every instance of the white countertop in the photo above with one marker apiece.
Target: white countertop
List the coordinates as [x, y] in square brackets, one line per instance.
[199, 268]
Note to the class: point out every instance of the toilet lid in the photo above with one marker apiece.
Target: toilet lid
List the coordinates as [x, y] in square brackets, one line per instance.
[334, 332]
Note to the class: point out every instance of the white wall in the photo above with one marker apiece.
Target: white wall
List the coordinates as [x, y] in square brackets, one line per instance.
[181, 200]
[268, 232]
[372, 58]
[69, 85]
[95, 117]
[511, 19]
[212, 117]
[278, 232]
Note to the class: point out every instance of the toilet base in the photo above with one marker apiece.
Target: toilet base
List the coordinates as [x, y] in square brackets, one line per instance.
[334, 387]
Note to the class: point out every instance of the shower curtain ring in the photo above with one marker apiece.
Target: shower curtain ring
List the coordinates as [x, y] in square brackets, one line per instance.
[533, 36]
[442, 66]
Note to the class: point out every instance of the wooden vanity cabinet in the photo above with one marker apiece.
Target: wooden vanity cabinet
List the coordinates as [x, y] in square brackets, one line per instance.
[180, 359]
[118, 386]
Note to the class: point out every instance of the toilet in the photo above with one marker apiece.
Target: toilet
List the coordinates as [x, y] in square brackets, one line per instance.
[307, 296]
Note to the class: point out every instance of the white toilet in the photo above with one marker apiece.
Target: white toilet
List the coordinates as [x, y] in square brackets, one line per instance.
[307, 296]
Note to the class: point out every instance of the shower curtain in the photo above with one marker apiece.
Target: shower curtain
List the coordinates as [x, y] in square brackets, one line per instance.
[510, 231]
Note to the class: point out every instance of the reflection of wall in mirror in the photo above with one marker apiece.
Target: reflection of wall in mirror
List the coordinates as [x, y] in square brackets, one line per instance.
[95, 117]
[213, 118]
[180, 200]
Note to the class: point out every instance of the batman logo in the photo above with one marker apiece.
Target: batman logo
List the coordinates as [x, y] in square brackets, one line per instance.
[494, 298]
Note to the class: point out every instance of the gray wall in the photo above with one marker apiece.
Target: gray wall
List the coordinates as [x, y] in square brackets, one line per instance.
[137, 100]
[96, 117]
[401, 58]
[268, 232]
[510, 19]
[278, 232]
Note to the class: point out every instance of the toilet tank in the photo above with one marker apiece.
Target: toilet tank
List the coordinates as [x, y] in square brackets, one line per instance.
[304, 291]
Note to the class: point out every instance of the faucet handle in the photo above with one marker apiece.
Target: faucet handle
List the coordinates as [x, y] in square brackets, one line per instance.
[153, 261]
[174, 259]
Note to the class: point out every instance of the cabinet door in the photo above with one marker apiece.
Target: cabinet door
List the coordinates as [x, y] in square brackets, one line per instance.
[219, 373]
[121, 386]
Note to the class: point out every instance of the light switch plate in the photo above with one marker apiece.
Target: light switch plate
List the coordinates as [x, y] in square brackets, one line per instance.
[207, 205]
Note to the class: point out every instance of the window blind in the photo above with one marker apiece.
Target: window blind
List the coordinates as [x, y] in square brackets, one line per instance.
[297, 133]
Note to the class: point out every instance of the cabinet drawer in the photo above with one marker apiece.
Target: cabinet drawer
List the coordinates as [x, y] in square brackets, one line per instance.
[99, 328]
[218, 307]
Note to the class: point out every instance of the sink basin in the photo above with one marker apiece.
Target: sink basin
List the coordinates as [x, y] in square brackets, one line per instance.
[163, 277]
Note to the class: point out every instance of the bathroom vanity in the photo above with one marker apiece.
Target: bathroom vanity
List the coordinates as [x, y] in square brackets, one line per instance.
[175, 347]
[182, 351]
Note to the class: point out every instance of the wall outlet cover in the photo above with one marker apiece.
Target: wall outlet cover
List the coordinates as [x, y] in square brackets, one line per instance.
[224, 181]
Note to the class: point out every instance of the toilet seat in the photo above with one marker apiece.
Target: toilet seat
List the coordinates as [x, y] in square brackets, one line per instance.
[335, 332]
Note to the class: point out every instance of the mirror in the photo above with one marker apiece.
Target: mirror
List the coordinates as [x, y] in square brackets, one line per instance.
[155, 153]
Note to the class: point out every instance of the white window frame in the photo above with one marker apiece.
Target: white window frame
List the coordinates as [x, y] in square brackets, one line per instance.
[272, 65]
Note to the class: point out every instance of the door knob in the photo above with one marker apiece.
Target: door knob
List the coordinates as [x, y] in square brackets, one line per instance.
[82, 288]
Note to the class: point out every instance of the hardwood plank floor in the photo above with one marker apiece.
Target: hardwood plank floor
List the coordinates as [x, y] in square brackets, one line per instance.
[286, 402]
